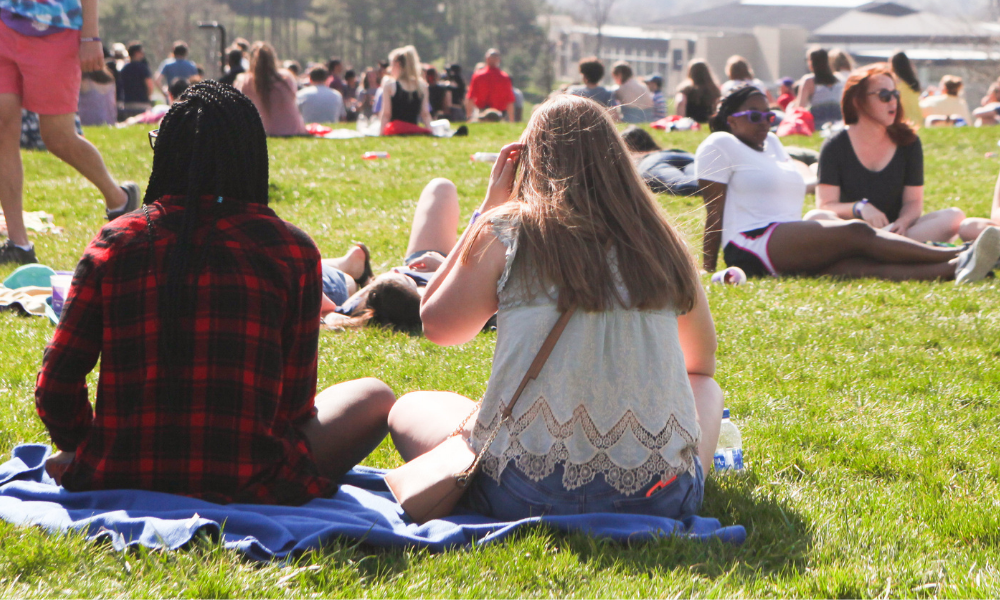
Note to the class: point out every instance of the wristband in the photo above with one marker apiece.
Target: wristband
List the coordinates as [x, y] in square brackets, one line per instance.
[90, 39]
[858, 206]
[475, 215]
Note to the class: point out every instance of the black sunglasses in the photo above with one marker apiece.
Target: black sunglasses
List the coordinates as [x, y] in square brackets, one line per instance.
[152, 138]
[885, 95]
[756, 116]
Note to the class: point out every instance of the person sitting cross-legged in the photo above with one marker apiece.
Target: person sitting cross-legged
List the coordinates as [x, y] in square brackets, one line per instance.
[203, 309]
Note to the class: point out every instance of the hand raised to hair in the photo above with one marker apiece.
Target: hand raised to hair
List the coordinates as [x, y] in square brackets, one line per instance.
[502, 177]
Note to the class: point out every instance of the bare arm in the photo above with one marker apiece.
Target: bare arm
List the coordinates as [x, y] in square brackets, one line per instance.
[806, 88]
[828, 198]
[461, 297]
[91, 53]
[995, 209]
[697, 337]
[680, 105]
[510, 112]
[714, 195]
[385, 117]
[425, 113]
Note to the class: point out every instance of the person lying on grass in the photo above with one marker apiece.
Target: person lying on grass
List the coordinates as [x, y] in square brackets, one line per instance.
[625, 412]
[393, 299]
[874, 169]
[202, 308]
[754, 194]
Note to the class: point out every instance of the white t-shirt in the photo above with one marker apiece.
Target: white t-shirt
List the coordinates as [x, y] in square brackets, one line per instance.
[764, 187]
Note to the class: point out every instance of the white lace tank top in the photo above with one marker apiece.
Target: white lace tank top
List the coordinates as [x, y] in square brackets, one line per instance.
[613, 398]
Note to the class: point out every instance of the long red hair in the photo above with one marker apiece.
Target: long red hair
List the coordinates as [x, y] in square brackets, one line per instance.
[856, 93]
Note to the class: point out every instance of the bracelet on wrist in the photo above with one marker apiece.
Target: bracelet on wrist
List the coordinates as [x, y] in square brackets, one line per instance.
[90, 39]
[475, 215]
[858, 207]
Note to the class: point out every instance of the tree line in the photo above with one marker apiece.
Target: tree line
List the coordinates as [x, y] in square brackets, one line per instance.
[360, 32]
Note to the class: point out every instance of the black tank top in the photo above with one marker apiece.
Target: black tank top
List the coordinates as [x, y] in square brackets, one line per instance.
[406, 105]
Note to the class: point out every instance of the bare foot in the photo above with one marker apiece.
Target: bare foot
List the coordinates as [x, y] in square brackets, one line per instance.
[352, 263]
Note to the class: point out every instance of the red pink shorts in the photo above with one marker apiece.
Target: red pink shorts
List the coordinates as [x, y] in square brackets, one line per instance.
[43, 71]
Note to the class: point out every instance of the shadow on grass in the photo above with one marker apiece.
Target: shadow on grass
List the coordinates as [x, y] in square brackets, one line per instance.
[778, 538]
[778, 542]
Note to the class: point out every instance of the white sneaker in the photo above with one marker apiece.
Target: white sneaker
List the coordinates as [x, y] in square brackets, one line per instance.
[978, 261]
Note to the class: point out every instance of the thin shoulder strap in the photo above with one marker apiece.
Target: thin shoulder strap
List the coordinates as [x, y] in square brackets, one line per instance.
[540, 358]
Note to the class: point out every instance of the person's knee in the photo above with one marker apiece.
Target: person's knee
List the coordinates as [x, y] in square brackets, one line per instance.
[402, 410]
[858, 231]
[954, 217]
[440, 188]
[379, 397]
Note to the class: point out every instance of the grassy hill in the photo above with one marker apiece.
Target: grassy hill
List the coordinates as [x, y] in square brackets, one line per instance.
[867, 410]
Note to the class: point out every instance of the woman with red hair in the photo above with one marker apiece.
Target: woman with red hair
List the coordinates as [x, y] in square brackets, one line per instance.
[873, 170]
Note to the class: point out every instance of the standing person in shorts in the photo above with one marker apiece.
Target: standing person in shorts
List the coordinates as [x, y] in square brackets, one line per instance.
[44, 48]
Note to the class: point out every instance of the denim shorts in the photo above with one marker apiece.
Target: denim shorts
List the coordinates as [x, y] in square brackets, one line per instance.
[517, 497]
[334, 284]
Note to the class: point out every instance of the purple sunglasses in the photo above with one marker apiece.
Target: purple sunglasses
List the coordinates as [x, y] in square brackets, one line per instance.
[756, 116]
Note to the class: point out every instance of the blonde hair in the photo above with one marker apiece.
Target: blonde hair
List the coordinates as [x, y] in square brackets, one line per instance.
[577, 194]
[409, 63]
[840, 60]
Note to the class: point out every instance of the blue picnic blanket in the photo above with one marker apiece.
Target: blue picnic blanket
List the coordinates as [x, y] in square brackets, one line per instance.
[362, 509]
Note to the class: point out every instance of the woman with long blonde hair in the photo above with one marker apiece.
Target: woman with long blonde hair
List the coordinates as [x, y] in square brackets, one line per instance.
[404, 95]
[625, 411]
[272, 91]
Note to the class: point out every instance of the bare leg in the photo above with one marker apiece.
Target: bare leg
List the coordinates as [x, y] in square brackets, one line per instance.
[419, 421]
[435, 221]
[11, 171]
[352, 263]
[972, 227]
[349, 424]
[708, 401]
[938, 226]
[865, 267]
[812, 247]
[61, 139]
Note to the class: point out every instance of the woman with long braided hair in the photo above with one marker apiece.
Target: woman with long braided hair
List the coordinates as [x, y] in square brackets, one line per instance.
[203, 309]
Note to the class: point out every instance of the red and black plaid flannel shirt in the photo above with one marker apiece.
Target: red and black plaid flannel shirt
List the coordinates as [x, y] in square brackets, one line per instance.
[227, 428]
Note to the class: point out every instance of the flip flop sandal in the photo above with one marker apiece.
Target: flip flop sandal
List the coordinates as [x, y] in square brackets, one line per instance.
[366, 275]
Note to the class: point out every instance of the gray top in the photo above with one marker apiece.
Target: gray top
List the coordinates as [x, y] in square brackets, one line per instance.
[320, 104]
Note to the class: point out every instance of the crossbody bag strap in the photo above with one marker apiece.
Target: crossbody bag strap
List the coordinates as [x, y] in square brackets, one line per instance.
[540, 358]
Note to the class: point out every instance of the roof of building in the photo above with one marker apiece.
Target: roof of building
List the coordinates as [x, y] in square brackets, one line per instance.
[746, 15]
[909, 24]
[811, 15]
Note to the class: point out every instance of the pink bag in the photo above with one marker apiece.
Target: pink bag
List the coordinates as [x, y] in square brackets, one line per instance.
[797, 122]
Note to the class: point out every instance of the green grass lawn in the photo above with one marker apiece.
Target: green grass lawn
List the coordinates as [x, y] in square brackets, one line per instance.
[867, 410]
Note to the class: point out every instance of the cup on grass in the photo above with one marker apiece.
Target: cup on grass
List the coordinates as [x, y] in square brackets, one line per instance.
[60, 289]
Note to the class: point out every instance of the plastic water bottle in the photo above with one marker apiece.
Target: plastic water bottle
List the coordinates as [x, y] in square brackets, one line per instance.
[729, 452]
[485, 157]
[375, 155]
[362, 124]
[730, 275]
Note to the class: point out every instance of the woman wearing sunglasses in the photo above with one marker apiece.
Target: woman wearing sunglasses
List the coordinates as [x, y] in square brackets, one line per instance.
[754, 195]
[874, 169]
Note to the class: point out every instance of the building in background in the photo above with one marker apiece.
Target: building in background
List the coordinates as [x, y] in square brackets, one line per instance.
[773, 35]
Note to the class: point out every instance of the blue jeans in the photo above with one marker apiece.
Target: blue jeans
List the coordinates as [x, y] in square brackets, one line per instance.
[518, 497]
[335, 284]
